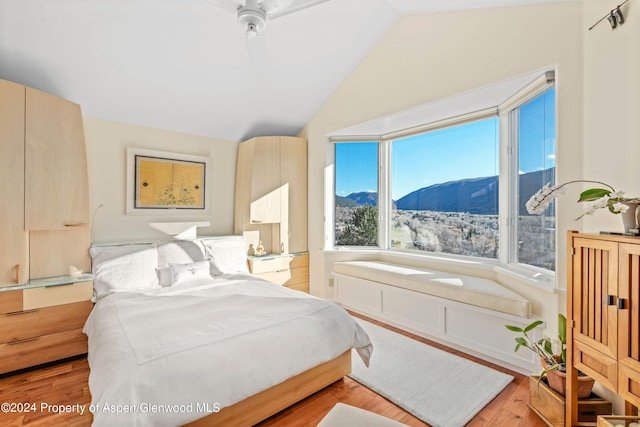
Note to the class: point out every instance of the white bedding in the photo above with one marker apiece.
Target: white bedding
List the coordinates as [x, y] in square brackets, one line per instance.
[168, 356]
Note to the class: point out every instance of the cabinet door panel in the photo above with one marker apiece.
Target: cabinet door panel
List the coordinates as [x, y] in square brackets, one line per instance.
[266, 189]
[56, 187]
[629, 384]
[13, 243]
[629, 313]
[595, 280]
[601, 368]
[71, 249]
[293, 155]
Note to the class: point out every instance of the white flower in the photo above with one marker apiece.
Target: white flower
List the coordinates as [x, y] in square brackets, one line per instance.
[593, 198]
[537, 204]
[602, 202]
[619, 207]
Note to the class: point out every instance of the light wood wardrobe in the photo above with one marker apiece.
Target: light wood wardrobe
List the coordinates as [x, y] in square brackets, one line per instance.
[44, 223]
[271, 205]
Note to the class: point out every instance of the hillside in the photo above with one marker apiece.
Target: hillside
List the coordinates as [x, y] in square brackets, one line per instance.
[475, 196]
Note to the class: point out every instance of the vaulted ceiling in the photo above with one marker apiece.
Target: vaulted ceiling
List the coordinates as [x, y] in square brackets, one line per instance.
[187, 66]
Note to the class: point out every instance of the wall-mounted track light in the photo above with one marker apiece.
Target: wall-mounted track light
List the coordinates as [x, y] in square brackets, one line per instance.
[615, 17]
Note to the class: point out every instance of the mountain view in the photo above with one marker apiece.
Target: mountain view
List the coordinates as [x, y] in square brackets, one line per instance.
[474, 196]
[457, 217]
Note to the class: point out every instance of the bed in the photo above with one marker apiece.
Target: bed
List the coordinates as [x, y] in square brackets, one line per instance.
[182, 334]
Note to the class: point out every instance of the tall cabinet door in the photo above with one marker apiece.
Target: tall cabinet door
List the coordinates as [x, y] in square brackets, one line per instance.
[293, 174]
[629, 323]
[14, 240]
[594, 311]
[56, 182]
[266, 188]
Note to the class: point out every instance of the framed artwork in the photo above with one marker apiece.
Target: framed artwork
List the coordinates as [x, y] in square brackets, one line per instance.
[167, 183]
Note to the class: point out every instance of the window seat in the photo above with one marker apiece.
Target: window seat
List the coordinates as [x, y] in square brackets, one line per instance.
[457, 287]
[460, 311]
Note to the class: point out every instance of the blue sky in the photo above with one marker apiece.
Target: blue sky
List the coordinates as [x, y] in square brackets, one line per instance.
[467, 151]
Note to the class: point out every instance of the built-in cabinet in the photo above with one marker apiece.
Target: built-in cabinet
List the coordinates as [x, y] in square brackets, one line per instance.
[603, 311]
[14, 243]
[43, 322]
[44, 224]
[290, 270]
[56, 185]
[271, 192]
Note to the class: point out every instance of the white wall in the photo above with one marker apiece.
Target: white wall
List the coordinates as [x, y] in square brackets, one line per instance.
[611, 144]
[611, 104]
[107, 144]
[427, 57]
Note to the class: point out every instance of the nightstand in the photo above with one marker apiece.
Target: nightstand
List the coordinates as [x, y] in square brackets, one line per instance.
[290, 270]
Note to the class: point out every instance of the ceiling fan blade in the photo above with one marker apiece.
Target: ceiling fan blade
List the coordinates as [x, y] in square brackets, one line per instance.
[258, 52]
[291, 7]
[228, 5]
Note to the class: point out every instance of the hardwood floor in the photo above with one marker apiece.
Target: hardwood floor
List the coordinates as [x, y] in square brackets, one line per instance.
[66, 384]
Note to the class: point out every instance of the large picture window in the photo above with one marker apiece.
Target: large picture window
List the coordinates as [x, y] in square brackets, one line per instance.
[444, 186]
[457, 186]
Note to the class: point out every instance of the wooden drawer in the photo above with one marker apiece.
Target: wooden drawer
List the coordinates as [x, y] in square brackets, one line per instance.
[10, 301]
[617, 420]
[300, 261]
[44, 321]
[57, 295]
[293, 278]
[257, 266]
[550, 406]
[629, 384]
[42, 349]
[598, 366]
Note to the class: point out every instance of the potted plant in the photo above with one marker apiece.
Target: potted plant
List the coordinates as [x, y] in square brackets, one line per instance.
[553, 365]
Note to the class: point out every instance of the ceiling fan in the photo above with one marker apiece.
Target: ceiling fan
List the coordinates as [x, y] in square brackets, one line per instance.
[253, 14]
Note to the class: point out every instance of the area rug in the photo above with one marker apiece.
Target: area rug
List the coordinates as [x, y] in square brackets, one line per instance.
[439, 388]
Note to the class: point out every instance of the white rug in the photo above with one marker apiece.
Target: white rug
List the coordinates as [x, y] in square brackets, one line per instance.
[440, 388]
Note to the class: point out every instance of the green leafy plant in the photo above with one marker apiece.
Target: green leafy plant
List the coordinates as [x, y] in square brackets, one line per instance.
[543, 347]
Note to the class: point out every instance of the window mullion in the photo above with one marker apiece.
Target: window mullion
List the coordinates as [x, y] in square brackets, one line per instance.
[384, 193]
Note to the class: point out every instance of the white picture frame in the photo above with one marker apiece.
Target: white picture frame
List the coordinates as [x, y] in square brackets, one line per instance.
[139, 190]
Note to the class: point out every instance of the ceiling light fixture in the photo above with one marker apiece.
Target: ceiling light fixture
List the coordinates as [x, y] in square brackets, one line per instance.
[252, 17]
[615, 17]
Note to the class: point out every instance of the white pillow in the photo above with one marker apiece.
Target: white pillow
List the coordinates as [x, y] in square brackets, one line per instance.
[227, 255]
[182, 273]
[124, 267]
[178, 252]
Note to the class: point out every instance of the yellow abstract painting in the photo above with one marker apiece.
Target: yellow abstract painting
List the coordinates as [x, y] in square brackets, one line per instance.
[169, 183]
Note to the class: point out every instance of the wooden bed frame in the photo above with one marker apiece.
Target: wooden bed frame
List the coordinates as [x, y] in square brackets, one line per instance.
[261, 406]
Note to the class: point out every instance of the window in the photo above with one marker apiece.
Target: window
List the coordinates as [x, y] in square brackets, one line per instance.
[356, 196]
[533, 133]
[444, 186]
[456, 186]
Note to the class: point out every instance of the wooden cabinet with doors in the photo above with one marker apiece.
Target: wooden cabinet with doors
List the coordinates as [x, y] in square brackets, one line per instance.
[44, 217]
[14, 245]
[44, 228]
[271, 192]
[56, 185]
[603, 313]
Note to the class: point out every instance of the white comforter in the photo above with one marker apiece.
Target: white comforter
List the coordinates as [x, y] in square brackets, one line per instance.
[168, 356]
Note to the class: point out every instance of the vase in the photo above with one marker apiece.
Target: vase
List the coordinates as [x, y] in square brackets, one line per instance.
[630, 217]
[558, 381]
